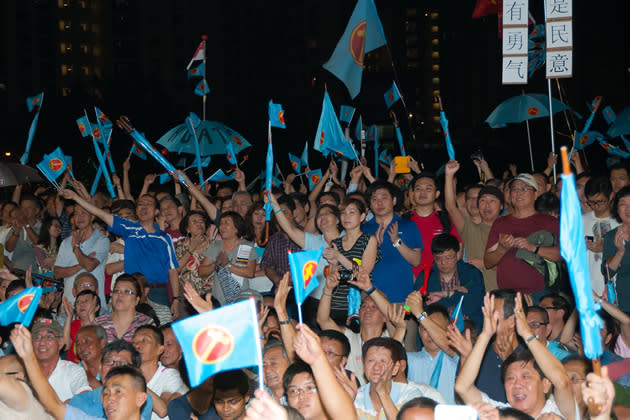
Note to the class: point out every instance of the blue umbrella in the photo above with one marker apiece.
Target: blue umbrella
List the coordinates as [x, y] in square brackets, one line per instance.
[212, 135]
[621, 126]
[522, 108]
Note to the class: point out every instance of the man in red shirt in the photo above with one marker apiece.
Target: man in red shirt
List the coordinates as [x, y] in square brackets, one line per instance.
[509, 234]
[430, 220]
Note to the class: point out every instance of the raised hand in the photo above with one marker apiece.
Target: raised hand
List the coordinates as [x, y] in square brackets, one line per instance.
[490, 316]
[192, 296]
[451, 167]
[462, 343]
[396, 315]
[307, 345]
[362, 280]
[239, 176]
[264, 407]
[150, 179]
[126, 165]
[22, 341]
[347, 382]
[280, 299]
[393, 232]
[67, 308]
[522, 327]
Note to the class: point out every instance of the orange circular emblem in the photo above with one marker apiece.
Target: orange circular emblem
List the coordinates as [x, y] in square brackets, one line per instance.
[212, 345]
[238, 141]
[294, 165]
[281, 116]
[357, 43]
[308, 272]
[315, 179]
[55, 164]
[533, 111]
[25, 302]
[584, 139]
[321, 138]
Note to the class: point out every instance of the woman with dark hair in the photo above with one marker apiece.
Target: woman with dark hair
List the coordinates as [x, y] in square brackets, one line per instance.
[48, 244]
[86, 307]
[616, 258]
[255, 220]
[189, 251]
[124, 320]
[233, 258]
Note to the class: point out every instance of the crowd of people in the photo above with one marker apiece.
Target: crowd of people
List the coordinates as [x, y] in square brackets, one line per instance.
[379, 338]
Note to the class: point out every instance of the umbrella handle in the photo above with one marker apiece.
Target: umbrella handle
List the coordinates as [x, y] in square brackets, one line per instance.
[264, 242]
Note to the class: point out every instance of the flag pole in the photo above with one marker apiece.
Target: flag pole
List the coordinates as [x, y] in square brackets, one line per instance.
[261, 374]
[553, 142]
[204, 39]
[529, 142]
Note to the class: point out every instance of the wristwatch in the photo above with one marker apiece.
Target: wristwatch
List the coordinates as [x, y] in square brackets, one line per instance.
[397, 243]
[532, 338]
[27, 226]
[422, 316]
[75, 246]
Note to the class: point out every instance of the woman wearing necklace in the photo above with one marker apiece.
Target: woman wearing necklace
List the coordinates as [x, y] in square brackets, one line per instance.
[189, 251]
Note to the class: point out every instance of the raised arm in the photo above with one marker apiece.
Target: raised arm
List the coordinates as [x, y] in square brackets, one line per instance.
[201, 198]
[108, 218]
[293, 232]
[126, 185]
[450, 201]
[465, 383]
[619, 315]
[323, 310]
[437, 333]
[280, 305]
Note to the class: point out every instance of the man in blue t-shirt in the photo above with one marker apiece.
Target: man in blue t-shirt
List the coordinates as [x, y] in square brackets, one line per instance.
[399, 241]
[148, 250]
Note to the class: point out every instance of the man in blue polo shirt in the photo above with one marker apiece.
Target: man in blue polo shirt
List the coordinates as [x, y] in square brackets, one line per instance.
[148, 250]
[399, 240]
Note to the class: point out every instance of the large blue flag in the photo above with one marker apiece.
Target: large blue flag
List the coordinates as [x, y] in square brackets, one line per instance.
[329, 136]
[295, 163]
[21, 307]
[196, 71]
[392, 95]
[573, 250]
[447, 136]
[202, 88]
[313, 178]
[345, 113]
[276, 115]
[363, 34]
[304, 157]
[223, 339]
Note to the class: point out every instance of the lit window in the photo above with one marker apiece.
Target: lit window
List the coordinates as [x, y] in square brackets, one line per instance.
[84, 27]
[65, 25]
[434, 28]
[435, 67]
[66, 69]
[435, 80]
[66, 91]
[435, 55]
[84, 48]
[63, 3]
[82, 4]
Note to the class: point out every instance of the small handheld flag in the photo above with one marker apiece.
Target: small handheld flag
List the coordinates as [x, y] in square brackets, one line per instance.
[303, 266]
[200, 53]
[85, 128]
[20, 307]
[34, 101]
[165, 177]
[202, 88]
[329, 136]
[230, 155]
[447, 135]
[358, 128]
[457, 317]
[609, 115]
[276, 115]
[295, 163]
[313, 178]
[304, 156]
[372, 133]
[102, 118]
[385, 157]
[138, 151]
[220, 176]
[53, 165]
[392, 95]
[219, 340]
[197, 71]
[345, 113]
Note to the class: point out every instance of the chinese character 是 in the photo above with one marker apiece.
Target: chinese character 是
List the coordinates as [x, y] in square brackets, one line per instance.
[559, 6]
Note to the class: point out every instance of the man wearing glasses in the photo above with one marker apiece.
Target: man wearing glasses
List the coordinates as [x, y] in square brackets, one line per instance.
[66, 378]
[538, 321]
[116, 354]
[598, 192]
[509, 235]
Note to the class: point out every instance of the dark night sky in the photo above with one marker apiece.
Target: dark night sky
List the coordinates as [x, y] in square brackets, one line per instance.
[263, 50]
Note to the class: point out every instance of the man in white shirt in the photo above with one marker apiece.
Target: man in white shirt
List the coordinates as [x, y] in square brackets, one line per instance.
[66, 378]
[598, 193]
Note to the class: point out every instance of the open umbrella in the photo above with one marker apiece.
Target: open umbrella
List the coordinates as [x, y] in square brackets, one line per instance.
[521, 108]
[621, 126]
[17, 174]
[212, 135]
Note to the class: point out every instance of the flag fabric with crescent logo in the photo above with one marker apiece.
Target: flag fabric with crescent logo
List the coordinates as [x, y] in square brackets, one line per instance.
[220, 176]
[313, 178]
[196, 71]
[609, 115]
[102, 118]
[586, 139]
[219, 340]
[329, 136]
[385, 157]
[392, 95]
[276, 115]
[295, 162]
[34, 101]
[345, 113]
[21, 307]
[85, 127]
[358, 128]
[372, 133]
[230, 155]
[53, 165]
[303, 267]
[304, 156]
[202, 88]
[363, 34]
[138, 151]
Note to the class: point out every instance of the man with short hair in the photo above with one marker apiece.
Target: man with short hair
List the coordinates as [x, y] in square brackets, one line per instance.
[275, 363]
[66, 378]
[90, 342]
[538, 321]
[26, 234]
[597, 223]
[619, 177]
[301, 391]
[163, 384]
[172, 350]
[580, 183]
[381, 395]
[241, 202]
[419, 408]
[559, 310]
[172, 211]
[510, 249]
[85, 250]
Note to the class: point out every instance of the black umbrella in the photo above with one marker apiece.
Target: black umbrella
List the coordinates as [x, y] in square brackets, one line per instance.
[17, 174]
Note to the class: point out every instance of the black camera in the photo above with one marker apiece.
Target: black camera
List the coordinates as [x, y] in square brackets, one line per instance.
[477, 155]
[345, 276]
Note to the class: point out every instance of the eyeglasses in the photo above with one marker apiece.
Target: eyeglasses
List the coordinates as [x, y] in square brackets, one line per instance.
[231, 401]
[296, 392]
[47, 337]
[593, 203]
[332, 353]
[118, 363]
[536, 325]
[86, 285]
[445, 258]
[521, 189]
[123, 292]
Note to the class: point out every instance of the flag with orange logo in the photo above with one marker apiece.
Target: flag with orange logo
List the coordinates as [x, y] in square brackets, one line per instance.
[21, 307]
[220, 340]
[303, 267]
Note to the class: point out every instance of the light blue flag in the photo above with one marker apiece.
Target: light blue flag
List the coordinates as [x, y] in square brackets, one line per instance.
[197, 71]
[223, 339]
[392, 95]
[345, 113]
[612, 160]
[192, 122]
[102, 118]
[29, 140]
[447, 136]
[34, 101]
[609, 115]
[20, 307]
[53, 165]
[435, 375]
[303, 266]
[181, 163]
[268, 177]
[573, 250]
[295, 163]
[329, 136]
[372, 133]
[457, 316]
[202, 88]
[363, 34]
[313, 178]
[276, 115]
[275, 181]
[220, 176]
[593, 106]
[358, 128]
[144, 143]
[401, 144]
[165, 177]
[385, 157]
[304, 156]
[230, 155]
[68, 160]
[586, 139]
